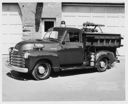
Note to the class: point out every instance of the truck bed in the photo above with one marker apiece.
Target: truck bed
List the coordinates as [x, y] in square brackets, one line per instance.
[102, 39]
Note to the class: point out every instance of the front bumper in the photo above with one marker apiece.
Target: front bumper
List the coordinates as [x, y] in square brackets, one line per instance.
[18, 69]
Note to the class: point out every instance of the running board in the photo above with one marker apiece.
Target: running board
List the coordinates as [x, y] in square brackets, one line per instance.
[75, 67]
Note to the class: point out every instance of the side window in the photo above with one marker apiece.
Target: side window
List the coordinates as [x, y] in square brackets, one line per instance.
[72, 37]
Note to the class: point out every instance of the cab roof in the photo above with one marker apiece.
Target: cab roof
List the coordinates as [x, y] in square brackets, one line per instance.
[65, 28]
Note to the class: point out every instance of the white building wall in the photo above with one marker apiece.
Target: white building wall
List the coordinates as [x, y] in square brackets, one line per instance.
[11, 26]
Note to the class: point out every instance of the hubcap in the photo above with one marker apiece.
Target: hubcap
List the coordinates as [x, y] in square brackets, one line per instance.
[102, 64]
[41, 69]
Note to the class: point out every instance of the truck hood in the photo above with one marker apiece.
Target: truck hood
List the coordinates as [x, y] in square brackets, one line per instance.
[30, 44]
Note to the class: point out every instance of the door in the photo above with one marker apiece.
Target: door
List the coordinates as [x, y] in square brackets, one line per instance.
[11, 26]
[72, 49]
[112, 16]
[47, 24]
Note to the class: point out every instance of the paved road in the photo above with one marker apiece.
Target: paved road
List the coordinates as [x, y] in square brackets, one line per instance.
[80, 85]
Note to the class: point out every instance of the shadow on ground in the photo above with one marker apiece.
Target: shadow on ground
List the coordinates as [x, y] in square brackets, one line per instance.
[25, 77]
[19, 76]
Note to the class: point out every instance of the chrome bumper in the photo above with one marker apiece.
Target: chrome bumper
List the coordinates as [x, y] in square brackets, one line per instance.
[18, 69]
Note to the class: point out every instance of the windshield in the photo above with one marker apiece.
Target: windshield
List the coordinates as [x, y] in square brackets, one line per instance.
[51, 35]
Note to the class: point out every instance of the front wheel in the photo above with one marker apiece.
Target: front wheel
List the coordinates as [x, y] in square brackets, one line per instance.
[41, 70]
[102, 64]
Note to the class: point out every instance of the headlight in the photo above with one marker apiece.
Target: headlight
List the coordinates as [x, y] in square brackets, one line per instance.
[10, 49]
[26, 54]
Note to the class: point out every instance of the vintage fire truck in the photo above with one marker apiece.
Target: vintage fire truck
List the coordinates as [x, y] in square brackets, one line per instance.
[65, 48]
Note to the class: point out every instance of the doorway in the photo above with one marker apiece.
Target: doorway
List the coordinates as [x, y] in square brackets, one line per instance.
[47, 24]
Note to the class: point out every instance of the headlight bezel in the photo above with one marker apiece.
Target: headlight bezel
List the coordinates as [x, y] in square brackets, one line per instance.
[10, 49]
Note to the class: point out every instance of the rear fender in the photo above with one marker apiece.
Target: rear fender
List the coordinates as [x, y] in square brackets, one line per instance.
[107, 54]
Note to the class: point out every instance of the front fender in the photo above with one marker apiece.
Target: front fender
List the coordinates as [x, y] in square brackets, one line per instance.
[35, 57]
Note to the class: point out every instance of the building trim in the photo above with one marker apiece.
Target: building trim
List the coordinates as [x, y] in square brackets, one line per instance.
[91, 4]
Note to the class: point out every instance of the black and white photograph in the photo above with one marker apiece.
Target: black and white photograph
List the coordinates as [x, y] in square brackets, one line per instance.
[63, 51]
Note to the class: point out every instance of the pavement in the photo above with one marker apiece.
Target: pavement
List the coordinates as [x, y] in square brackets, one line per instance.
[75, 85]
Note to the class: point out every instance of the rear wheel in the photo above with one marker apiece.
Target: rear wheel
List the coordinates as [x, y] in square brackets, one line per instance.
[102, 64]
[41, 70]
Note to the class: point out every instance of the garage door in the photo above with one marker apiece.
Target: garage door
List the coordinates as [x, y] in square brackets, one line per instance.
[11, 26]
[112, 16]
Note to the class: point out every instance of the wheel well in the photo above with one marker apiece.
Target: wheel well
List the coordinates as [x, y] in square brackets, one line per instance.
[46, 60]
[107, 49]
[106, 54]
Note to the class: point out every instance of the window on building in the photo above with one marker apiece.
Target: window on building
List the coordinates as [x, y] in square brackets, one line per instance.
[48, 25]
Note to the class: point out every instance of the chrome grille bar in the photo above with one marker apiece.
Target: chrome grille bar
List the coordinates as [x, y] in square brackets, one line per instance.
[16, 59]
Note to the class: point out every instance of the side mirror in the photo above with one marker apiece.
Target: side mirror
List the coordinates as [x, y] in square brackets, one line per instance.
[63, 42]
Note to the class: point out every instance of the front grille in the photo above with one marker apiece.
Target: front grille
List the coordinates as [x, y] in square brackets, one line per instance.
[16, 59]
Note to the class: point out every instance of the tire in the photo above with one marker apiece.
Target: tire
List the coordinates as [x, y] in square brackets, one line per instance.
[108, 55]
[102, 64]
[41, 70]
